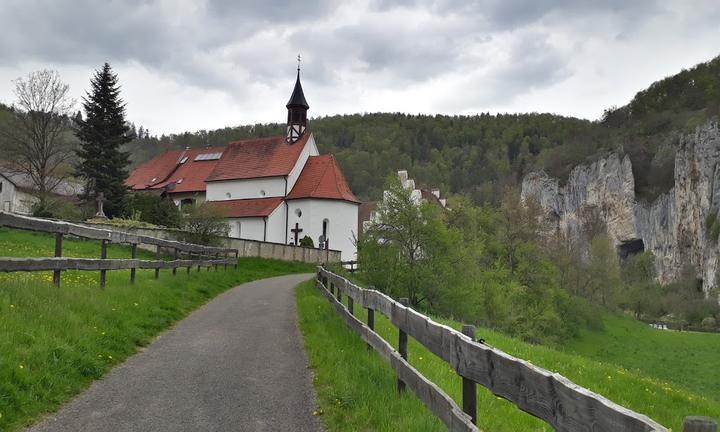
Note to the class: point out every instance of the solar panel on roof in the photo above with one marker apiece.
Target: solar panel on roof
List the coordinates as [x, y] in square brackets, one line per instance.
[208, 156]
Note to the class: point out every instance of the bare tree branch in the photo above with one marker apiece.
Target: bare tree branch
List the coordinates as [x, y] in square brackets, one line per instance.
[38, 148]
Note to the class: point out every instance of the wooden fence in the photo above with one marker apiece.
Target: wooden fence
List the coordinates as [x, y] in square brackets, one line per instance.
[196, 255]
[549, 396]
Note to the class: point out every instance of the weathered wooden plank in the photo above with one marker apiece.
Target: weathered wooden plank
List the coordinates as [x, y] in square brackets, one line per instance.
[431, 395]
[44, 225]
[52, 264]
[546, 395]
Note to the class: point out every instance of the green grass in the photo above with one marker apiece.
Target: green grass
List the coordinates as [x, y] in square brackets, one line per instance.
[55, 341]
[356, 388]
[686, 359]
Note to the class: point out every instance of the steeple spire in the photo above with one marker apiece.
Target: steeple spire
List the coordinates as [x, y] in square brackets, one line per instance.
[297, 108]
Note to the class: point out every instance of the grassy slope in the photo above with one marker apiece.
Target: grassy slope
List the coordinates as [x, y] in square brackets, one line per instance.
[356, 389]
[54, 342]
[687, 359]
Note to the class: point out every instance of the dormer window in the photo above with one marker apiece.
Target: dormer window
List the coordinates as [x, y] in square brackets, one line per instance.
[179, 181]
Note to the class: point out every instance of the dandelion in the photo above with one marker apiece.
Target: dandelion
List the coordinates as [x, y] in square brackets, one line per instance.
[22, 367]
[12, 305]
[134, 304]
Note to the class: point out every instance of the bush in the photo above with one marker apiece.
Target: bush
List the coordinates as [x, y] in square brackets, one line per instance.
[57, 208]
[709, 323]
[307, 242]
[153, 209]
[204, 224]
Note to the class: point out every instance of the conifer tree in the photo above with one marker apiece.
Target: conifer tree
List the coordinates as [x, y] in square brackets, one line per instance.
[103, 164]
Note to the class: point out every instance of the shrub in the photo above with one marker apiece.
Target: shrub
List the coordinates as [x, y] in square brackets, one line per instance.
[153, 209]
[709, 323]
[307, 242]
[204, 224]
[57, 208]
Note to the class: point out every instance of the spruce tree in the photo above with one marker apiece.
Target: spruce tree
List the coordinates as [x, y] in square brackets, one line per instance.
[103, 164]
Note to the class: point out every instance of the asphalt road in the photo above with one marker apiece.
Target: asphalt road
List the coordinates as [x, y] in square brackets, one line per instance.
[236, 364]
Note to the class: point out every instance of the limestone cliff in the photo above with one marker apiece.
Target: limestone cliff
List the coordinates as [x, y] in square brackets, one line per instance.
[673, 227]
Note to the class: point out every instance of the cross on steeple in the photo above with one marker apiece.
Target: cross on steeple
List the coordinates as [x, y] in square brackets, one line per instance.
[297, 230]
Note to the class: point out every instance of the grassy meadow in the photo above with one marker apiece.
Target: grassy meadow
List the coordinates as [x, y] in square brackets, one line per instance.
[357, 389]
[55, 342]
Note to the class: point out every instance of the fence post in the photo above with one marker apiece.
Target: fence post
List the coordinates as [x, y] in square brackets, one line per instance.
[338, 293]
[371, 323]
[157, 257]
[402, 346]
[58, 254]
[133, 255]
[103, 255]
[469, 388]
[699, 424]
[217, 257]
[175, 257]
[236, 258]
[332, 286]
[226, 259]
[189, 257]
[351, 305]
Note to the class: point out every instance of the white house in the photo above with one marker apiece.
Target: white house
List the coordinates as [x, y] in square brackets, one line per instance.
[277, 189]
[18, 193]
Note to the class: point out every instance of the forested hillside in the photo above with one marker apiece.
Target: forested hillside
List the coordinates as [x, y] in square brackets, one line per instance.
[479, 155]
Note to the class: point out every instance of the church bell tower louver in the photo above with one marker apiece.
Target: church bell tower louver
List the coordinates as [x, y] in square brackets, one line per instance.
[297, 108]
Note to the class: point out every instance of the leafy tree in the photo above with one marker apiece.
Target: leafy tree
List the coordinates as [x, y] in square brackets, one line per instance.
[409, 251]
[36, 145]
[204, 224]
[103, 165]
[642, 292]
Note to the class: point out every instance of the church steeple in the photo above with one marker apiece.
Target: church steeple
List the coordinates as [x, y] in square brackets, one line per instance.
[297, 108]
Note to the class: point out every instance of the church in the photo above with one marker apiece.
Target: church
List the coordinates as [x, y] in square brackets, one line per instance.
[278, 189]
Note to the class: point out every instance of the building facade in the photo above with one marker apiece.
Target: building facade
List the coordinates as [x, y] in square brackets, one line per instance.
[277, 189]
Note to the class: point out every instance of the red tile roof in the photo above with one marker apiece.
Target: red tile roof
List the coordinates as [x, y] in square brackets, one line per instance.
[322, 178]
[166, 169]
[261, 157]
[254, 207]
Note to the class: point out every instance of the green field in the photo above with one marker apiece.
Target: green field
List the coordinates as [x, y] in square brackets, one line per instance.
[55, 341]
[356, 388]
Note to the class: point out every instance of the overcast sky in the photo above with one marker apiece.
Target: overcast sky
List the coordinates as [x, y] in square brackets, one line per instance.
[204, 64]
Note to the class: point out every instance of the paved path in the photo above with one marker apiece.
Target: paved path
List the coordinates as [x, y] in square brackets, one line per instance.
[236, 364]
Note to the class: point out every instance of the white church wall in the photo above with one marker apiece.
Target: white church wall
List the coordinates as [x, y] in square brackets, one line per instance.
[199, 197]
[255, 228]
[342, 219]
[309, 150]
[245, 188]
[276, 225]
[251, 228]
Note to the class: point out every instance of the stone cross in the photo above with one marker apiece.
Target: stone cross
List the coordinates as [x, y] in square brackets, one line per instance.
[100, 199]
[297, 230]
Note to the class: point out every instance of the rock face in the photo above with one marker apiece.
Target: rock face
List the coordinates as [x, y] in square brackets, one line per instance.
[673, 227]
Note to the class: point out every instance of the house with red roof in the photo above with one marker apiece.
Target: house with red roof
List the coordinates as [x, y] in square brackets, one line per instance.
[277, 189]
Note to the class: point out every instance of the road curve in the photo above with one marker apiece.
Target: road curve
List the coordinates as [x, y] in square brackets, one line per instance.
[235, 364]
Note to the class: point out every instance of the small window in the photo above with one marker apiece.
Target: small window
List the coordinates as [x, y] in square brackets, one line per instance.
[179, 181]
[239, 229]
[262, 193]
[298, 212]
[228, 195]
[0, 186]
[153, 180]
[183, 160]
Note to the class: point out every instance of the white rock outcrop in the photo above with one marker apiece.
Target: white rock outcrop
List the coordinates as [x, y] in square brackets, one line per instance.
[673, 227]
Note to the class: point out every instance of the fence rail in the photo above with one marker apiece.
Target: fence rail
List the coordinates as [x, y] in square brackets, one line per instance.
[549, 396]
[198, 255]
